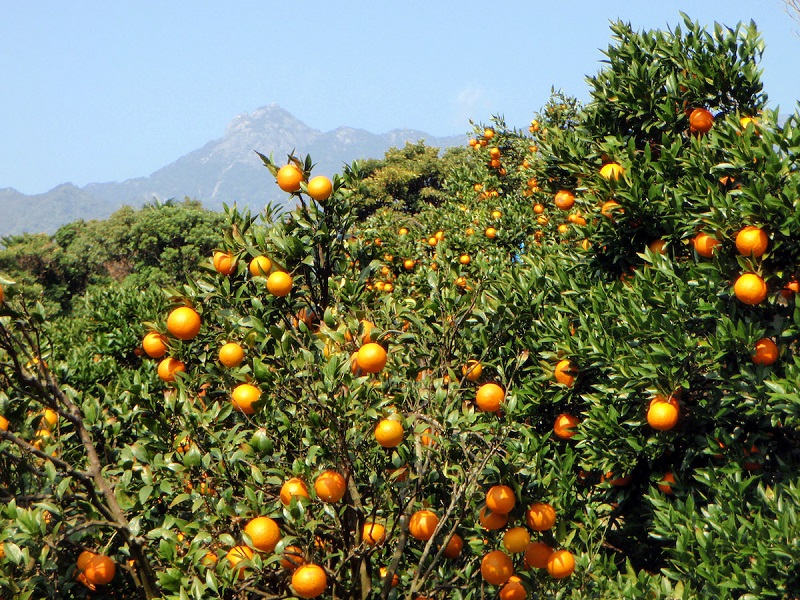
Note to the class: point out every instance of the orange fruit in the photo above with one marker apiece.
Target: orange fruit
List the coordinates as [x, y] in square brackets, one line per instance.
[244, 396]
[536, 555]
[330, 486]
[665, 484]
[564, 199]
[422, 524]
[513, 589]
[500, 499]
[260, 266]
[538, 209]
[402, 231]
[309, 581]
[608, 209]
[615, 481]
[168, 367]
[279, 283]
[792, 287]
[489, 397]
[289, 178]
[373, 533]
[454, 547]
[464, 259]
[183, 323]
[371, 358]
[231, 354]
[264, 533]
[472, 370]
[292, 557]
[409, 264]
[488, 133]
[752, 241]
[766, 352]
[3, 423]
[293, 488]
[561, 564]
[700, 120]
[320, 188]
[662, 415]
[224, 262]
[516, 539]
[611, 171]
[658, 247]
[492, 520]
[384, 571]
[236, 555]
[84, 558]
[496, 567]
[565, 425]
[565, 372]
[540, 516]
[491, 232]
[2, 295]
[154, 345]
[100, 569]
[750, 289]
[389, 433]
[704, 244]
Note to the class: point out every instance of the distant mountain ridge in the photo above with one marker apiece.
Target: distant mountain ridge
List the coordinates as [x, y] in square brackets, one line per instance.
[223, 170]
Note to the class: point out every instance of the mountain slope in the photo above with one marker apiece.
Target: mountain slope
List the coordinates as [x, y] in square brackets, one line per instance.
[223, 170]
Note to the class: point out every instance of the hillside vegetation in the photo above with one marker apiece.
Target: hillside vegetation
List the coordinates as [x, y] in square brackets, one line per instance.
[557, 363]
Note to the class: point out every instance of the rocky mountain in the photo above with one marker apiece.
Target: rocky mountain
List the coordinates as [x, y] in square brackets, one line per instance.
[224, 170]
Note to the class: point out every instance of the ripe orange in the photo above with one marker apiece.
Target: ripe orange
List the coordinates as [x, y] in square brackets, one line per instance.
[516, 539]
[488, 133]
[611, 171]
[422, 525]
[320, 188]
[792, 287]
[330, 486]
[538, 209]
[561, 564]
[565, 372]
[472, 370]
[492, 520]
[496, 567]
[704, 244]
[565, 425]
[615, 481]
[373, 533]
[236, 555]
[293, 488]
[168, 367]
[609, 207]
[260, 266]
[500, 499]
[752, 241]
[3, 423]
[491, 232]
[231, 354]
[100, 569]
[371, 358]
[700, 120]
[513, 589]
[540, 516]
[384, 571]
[658, 247]
[292, 557]
[750, 289]
[183, 323]
[766, 352]
[389, 433]
[289, 178]
[409, 264]
[464, 259]
[244, 396]
[224, 262]
[402, 231]
[264, 533]
[154, 345]
[2, 295]
[309, 581]
[489, 397]
[662, 415]
[279, 283]
[454, 547]
[564, 199]
[84, 558]
[665, 484]
[536, 555]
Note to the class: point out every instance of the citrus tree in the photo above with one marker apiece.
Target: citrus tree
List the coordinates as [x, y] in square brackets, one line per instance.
[571, 372]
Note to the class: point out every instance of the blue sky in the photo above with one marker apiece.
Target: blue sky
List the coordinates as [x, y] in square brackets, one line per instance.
[97, 91]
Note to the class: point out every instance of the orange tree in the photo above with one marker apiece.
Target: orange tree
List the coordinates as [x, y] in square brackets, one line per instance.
[553, 382]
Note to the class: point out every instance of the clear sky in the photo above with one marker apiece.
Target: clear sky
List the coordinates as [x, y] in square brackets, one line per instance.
[100, 90]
